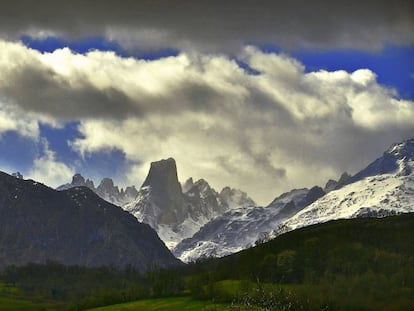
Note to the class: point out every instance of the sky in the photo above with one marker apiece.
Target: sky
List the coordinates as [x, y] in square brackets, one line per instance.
[264, 96]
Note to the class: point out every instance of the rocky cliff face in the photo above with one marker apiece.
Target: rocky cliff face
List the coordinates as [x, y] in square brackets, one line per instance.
[106, 189]
[175, 214]
[73, 227]
[333, 184]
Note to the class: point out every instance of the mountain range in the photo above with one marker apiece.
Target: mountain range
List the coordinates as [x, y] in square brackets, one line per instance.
[72, 227]
[106, 189]
[242, 227]
[194, 220]
[385, 187]
[176, 214]
[175, 211]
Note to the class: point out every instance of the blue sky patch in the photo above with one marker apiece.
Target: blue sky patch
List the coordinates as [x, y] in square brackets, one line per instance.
[96, 165]
[107, 163]
[394, 64]
[59, 138]
[17, 152]
[85, 45]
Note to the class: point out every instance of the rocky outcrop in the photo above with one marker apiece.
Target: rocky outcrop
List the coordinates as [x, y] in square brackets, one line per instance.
[333, 184]
[106, 189]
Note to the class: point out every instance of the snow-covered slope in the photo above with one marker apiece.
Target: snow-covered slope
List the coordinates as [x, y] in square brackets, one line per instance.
[177, 215]
[240, 228]
[385, 187]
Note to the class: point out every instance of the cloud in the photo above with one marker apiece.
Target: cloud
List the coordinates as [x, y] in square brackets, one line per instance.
[48, 170]
[265, 133]
[14, 119]
[217, 25]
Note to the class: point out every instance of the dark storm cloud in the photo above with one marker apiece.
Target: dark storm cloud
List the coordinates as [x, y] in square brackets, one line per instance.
[218, 25]
[40, 90]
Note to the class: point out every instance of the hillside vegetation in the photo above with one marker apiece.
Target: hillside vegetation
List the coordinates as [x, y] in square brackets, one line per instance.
[357, 264]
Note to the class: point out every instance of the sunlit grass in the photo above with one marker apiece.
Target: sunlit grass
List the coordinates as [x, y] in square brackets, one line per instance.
[167, 304]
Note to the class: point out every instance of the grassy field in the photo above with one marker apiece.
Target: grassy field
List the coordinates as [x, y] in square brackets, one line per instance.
[12, 300]
[165, 304]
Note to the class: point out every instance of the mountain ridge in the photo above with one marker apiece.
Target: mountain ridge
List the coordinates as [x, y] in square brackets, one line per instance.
[384, 187]
[73, 227]
[106, 189]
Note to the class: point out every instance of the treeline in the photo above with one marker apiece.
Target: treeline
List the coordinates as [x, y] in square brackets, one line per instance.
[359, 264]
[81, 288]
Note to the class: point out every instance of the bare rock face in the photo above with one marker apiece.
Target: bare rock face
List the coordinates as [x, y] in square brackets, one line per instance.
[166, 191]
[314, 193]
[106, 189]
[17, 175]
[333, 184]
[177, 212]
[78, 180]
[188, 184]
[73, 227]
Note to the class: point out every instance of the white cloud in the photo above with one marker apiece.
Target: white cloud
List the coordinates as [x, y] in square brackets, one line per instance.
[48, 170]
[265, 133]
[14, 119]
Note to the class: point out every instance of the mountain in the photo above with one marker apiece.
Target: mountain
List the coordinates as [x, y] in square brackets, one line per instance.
[73, 227]
[240, 228]
[333, 184]
[106, 189]
[176, 212]
[385, 187]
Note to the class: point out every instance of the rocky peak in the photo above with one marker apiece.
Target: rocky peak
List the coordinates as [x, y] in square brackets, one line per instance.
[163, 181]
[344, 178]
[17, 175]
[235, 198]
[89, 183]
[330, 185]
[203, 186]
[333, 184]
[131, 192]
[402, 150]
[398, 159]
[78, 180]
[189, 183]
[107, 186]
[106, 189]
[226, 191]
[314, 193]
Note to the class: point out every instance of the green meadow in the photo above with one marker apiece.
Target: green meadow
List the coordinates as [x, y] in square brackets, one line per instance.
[165, 304]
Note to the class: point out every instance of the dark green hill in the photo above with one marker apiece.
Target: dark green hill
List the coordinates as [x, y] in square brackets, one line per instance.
[356, 264]
[341, 246]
